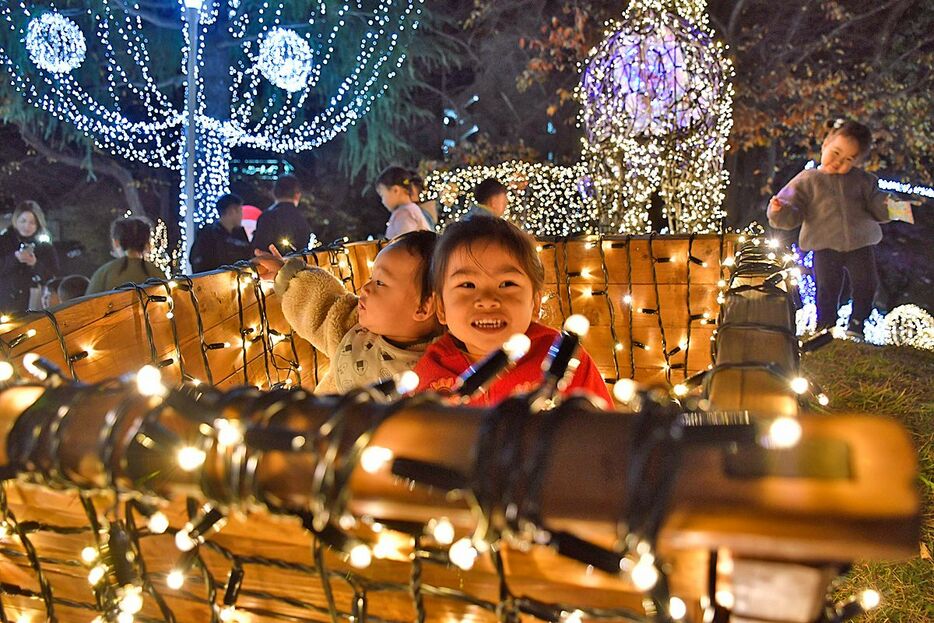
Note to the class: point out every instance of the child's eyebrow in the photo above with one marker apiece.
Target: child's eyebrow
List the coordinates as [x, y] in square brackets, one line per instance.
[505, 269]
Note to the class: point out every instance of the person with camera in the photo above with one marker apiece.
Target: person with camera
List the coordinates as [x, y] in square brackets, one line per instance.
[27, 258]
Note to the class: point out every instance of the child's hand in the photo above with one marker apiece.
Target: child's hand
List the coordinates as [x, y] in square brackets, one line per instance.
[268, 264]
[775, 204]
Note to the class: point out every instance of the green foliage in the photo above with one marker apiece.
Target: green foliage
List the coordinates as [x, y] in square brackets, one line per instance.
[893, 382]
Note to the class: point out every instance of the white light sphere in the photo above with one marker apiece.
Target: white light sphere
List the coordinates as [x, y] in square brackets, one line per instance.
[463, 554]
[175, 580]
[577, 324]
[443, 531]
[517, 346]
[869, 599]
[285, 58]
[784, 432]
[375, 458]
[55, 43]
[677, 608]
[6, 371]
[158, 523]
[360, 556]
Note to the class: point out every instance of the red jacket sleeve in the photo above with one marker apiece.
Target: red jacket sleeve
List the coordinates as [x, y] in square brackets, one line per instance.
[588, 378]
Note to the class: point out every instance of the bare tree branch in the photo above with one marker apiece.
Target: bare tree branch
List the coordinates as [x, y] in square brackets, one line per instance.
[110, 169]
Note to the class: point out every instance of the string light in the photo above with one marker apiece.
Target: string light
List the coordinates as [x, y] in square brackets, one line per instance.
[677, 609]
[658, 74]
[129, 114]
[375, 458]
[463, 554]
[784, 432]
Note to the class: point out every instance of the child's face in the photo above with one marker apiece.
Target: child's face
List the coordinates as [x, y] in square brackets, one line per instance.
[839, 154]
[486, 297]
[390, 302]
[392, 196]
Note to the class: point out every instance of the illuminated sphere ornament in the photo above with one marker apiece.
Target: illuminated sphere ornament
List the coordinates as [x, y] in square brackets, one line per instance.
[55, 43]
[285, 58]
[909, 325]
[656, 106]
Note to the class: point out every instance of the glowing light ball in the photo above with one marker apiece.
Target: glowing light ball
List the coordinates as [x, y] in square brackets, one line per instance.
[285, 58]
[55, 43]
[909, 325]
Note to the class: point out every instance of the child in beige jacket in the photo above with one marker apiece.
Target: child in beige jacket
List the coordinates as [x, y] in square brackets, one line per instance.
[368, 338]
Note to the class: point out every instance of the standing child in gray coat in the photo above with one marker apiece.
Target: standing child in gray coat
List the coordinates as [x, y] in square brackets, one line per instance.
[838, 207]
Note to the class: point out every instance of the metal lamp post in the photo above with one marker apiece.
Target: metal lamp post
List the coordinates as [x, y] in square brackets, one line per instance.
[193, 19]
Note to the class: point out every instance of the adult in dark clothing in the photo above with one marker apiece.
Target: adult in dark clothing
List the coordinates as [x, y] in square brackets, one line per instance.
[283, 224]
[27, 258]
[223, 241]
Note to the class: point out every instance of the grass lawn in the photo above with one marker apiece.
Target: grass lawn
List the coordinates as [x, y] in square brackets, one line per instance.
[897, 382]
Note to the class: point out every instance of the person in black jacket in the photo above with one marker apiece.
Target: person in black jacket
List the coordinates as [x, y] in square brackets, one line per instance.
[223, 241]
[283, 224]
[27, 258]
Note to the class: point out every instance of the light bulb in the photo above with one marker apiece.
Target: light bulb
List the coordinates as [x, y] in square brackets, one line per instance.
[517, 346]
[725, 598]
[228, 433]
[577, 324]
[407, 382]
[799, 385]
[183, 540]
[190, 458]
[132, 600]
[6, 371]
[575, 616]
[443, 531]
[677, 609]
[624, 390]
[680, 390]
[823, 400]
[175, 580]
[96, 574]
[627, 299]
[784, 432]
[149, 381]
[158, 523]
[644, 575]
[124, 617]
[360, 556]
[89, 554]
[375, 458]
[729, 261]
[463, 554]
[869, 599]
[228, 614]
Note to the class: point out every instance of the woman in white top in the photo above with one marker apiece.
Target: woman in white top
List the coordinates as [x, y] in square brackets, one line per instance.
[394, 187]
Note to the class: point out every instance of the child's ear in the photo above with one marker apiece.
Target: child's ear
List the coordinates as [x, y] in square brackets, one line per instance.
[438, 304]
[425, 309]
[536, 306]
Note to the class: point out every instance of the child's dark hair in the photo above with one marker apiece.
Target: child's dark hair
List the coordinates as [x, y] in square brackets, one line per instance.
[421, 244]
[853, 130]
[487, 189]
[227, 201]
[416, 182]
[395, 176]
[132, 233]
[487, 229]
[72, 287]
[286, 187]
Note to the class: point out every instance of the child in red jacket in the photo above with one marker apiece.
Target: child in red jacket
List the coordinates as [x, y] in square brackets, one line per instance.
[488, 284]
